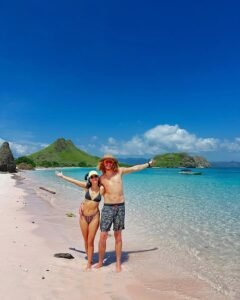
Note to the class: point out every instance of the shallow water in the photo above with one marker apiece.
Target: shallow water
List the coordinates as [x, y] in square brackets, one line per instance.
[192, 221]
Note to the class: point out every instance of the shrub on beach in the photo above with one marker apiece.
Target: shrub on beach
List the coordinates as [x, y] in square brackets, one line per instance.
[25, 166]
[24, 161]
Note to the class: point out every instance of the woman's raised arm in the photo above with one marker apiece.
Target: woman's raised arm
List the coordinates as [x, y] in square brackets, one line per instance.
[82, 184]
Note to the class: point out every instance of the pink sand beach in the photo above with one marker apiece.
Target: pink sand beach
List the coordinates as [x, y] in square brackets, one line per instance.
[32, 231]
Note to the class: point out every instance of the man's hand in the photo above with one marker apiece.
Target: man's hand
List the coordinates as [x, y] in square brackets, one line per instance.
[151, 162]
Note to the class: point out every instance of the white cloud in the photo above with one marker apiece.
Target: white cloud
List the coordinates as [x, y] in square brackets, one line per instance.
[231, 146]
[164, 138]
[175, 138]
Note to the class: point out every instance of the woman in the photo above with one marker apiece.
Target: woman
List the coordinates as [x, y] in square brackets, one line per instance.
[89, 209]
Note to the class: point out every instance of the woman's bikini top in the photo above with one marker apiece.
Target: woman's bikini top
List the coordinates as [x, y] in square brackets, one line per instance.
[96, 199]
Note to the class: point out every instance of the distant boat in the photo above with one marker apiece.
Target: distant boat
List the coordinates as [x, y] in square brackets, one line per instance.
[189, 172]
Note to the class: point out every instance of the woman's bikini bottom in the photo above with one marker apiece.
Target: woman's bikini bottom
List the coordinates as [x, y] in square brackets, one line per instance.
[90, 218]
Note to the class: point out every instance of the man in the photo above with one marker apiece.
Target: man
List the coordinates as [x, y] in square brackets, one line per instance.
[113, 211]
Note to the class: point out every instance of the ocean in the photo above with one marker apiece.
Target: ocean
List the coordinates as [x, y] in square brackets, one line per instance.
[193, 222]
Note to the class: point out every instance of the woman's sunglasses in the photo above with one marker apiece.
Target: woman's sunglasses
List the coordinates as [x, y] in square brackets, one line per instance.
[93, 176]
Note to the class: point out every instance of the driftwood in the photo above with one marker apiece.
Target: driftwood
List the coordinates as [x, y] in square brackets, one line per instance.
[43, 188]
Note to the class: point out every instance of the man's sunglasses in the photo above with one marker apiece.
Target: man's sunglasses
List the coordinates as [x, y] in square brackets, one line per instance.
[108, 161]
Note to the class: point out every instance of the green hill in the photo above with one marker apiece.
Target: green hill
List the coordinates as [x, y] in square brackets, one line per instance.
[176, 160]
[63, 153]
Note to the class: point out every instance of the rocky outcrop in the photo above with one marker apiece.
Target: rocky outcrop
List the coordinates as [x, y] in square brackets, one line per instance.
[201, 162]
[7, 163]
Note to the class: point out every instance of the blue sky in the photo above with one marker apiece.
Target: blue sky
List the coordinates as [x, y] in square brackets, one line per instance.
[134, 78]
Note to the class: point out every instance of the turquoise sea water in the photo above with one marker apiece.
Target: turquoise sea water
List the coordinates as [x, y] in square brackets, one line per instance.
[195, 218]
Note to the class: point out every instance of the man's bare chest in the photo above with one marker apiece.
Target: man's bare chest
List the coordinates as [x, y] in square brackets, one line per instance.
[110, 181]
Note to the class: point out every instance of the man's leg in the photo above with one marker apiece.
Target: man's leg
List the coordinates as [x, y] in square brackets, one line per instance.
[118, 226]
[118, 249]
[101, 249]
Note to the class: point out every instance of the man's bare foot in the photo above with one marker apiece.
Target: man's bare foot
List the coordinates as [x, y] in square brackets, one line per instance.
[88, 267]
[118, 267]
[98, 265]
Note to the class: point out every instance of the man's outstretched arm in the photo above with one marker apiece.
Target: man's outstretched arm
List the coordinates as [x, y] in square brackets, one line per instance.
[137, 167]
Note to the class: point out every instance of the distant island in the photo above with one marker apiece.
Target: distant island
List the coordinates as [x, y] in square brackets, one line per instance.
[61, 153]
[183, 160]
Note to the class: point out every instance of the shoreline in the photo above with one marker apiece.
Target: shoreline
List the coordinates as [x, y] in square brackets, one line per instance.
[40, 230]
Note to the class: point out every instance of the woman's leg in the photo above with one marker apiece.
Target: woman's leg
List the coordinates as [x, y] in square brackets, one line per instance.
[92, 230]
[84, 228]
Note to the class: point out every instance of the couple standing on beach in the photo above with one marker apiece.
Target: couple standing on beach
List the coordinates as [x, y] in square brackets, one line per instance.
[109, 185]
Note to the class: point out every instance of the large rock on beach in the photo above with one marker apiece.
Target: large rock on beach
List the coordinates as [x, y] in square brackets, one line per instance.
[7, 163]
[64, 255]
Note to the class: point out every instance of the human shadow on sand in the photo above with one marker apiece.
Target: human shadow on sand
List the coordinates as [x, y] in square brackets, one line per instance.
[110, 256]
